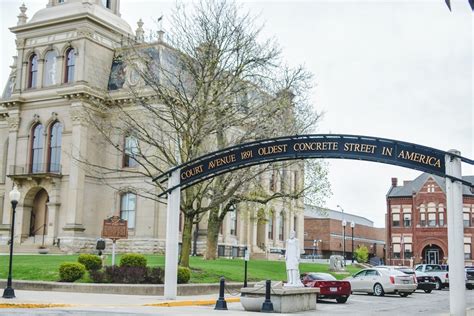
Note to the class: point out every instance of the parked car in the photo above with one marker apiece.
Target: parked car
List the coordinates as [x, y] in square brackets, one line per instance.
[329, 286]
[469, 277]
[435, 270]
[425, 282]
[380, 281]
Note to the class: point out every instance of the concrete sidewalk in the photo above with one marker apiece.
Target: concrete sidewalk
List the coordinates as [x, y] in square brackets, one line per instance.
[67, 303]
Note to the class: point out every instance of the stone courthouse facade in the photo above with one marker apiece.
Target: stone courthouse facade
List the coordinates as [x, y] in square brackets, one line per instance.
[65, 57]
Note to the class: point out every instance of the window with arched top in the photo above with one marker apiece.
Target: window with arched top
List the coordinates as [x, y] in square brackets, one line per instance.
[33, 71]
[54, 149]
[70, 65]
[130, 151]
[49, 68]
[128, 207]
[37, 146]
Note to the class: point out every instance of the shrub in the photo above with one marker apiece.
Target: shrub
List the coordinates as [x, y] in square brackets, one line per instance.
[133, 260]
[184, 274]
[98, 276]
[362, 254]
[71, 271]
[91, 262]
[155, 275]
[130, 275]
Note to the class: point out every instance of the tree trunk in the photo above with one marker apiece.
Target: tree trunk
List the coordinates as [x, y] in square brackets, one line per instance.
[186, 240]
[213, 227]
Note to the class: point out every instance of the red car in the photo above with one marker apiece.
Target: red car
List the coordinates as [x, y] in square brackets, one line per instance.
[329, 286]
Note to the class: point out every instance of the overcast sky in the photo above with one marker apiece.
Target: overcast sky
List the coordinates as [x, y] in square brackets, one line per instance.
[393, 69]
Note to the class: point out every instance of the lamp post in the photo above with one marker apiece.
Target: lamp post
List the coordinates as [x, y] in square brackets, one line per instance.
[352, 228]
[14, 195]
[344, 223]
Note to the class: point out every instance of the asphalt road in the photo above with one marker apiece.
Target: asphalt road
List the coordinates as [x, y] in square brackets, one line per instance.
[436, 303]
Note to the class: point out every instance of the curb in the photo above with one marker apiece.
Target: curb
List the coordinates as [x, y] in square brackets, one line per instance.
[27, 305]
[192, 302]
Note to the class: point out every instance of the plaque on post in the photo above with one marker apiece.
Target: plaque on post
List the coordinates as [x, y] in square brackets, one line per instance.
[114, 228]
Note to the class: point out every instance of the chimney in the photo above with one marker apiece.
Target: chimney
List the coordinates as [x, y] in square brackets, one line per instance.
[394, 182]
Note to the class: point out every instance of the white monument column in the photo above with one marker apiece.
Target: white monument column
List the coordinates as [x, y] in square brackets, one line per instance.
[172, 233]
[457, 291]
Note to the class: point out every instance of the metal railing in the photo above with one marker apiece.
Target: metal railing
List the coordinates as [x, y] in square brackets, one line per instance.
[38, 168]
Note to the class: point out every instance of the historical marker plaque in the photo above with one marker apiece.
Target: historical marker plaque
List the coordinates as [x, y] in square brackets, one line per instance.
[115, 228]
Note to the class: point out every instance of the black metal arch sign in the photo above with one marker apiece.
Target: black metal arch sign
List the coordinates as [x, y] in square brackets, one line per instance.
[381, 150]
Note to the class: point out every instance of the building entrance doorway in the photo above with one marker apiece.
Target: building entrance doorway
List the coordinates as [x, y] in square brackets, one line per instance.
[39, 214]
[432, 254]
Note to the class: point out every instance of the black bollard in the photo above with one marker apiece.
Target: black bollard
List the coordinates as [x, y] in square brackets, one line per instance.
[221, 304]
[267, 306]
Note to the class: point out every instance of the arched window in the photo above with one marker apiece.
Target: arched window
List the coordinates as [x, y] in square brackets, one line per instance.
[37, 148]
[70, 65]
[33, 71]
[270, 227]
[49, 73]
[128, 206]
[55, 137]
[130, 151]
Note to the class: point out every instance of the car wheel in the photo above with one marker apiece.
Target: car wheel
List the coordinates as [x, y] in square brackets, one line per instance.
[427, 291]
[341, 299]
[403, 294]
[469, 286]
[439, 285]
[378, 290]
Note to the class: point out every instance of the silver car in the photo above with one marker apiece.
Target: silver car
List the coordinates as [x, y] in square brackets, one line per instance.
[379, 281]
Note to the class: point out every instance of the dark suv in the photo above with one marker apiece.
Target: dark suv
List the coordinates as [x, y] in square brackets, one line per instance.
[469, 277]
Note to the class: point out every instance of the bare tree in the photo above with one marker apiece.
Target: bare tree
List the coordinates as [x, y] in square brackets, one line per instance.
[213, 84]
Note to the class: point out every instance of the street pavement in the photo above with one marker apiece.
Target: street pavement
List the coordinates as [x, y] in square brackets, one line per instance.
[436, 303]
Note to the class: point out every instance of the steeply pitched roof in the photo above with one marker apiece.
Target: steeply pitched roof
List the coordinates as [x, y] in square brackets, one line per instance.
[415, 185]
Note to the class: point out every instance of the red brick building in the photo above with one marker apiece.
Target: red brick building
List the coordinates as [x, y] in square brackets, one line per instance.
[416, 221]
[324, 234]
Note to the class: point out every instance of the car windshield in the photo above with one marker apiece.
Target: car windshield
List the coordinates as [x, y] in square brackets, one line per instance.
[321, 276]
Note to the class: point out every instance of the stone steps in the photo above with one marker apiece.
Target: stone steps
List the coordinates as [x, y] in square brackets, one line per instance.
[29, 249]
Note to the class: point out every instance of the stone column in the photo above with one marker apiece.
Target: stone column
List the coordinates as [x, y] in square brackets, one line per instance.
[74, 216]
[14, 123]
[53, 211]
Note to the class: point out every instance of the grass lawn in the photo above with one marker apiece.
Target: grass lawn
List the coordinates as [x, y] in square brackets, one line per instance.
[45, 268]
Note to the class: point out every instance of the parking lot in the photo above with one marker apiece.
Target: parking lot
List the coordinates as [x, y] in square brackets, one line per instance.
[419, 303]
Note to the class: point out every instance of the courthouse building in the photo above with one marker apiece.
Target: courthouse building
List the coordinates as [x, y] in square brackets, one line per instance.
[66, 56]
[417, 221]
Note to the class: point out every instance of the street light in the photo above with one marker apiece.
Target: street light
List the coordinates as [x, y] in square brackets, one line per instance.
[352, 228]
[344, 224]
[14, 195]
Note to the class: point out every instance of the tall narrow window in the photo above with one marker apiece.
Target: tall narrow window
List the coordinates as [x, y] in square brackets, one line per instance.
[55, 137]
[37, 149]
[128, 205]
[130, 152]
[270, 227]
[465, 218]
[33, 71]
[281, 227]
[70, 65]
[396, 219]
[407, 219]
[106, 3]
[396, 251]
[49, 70]
[233, 221]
